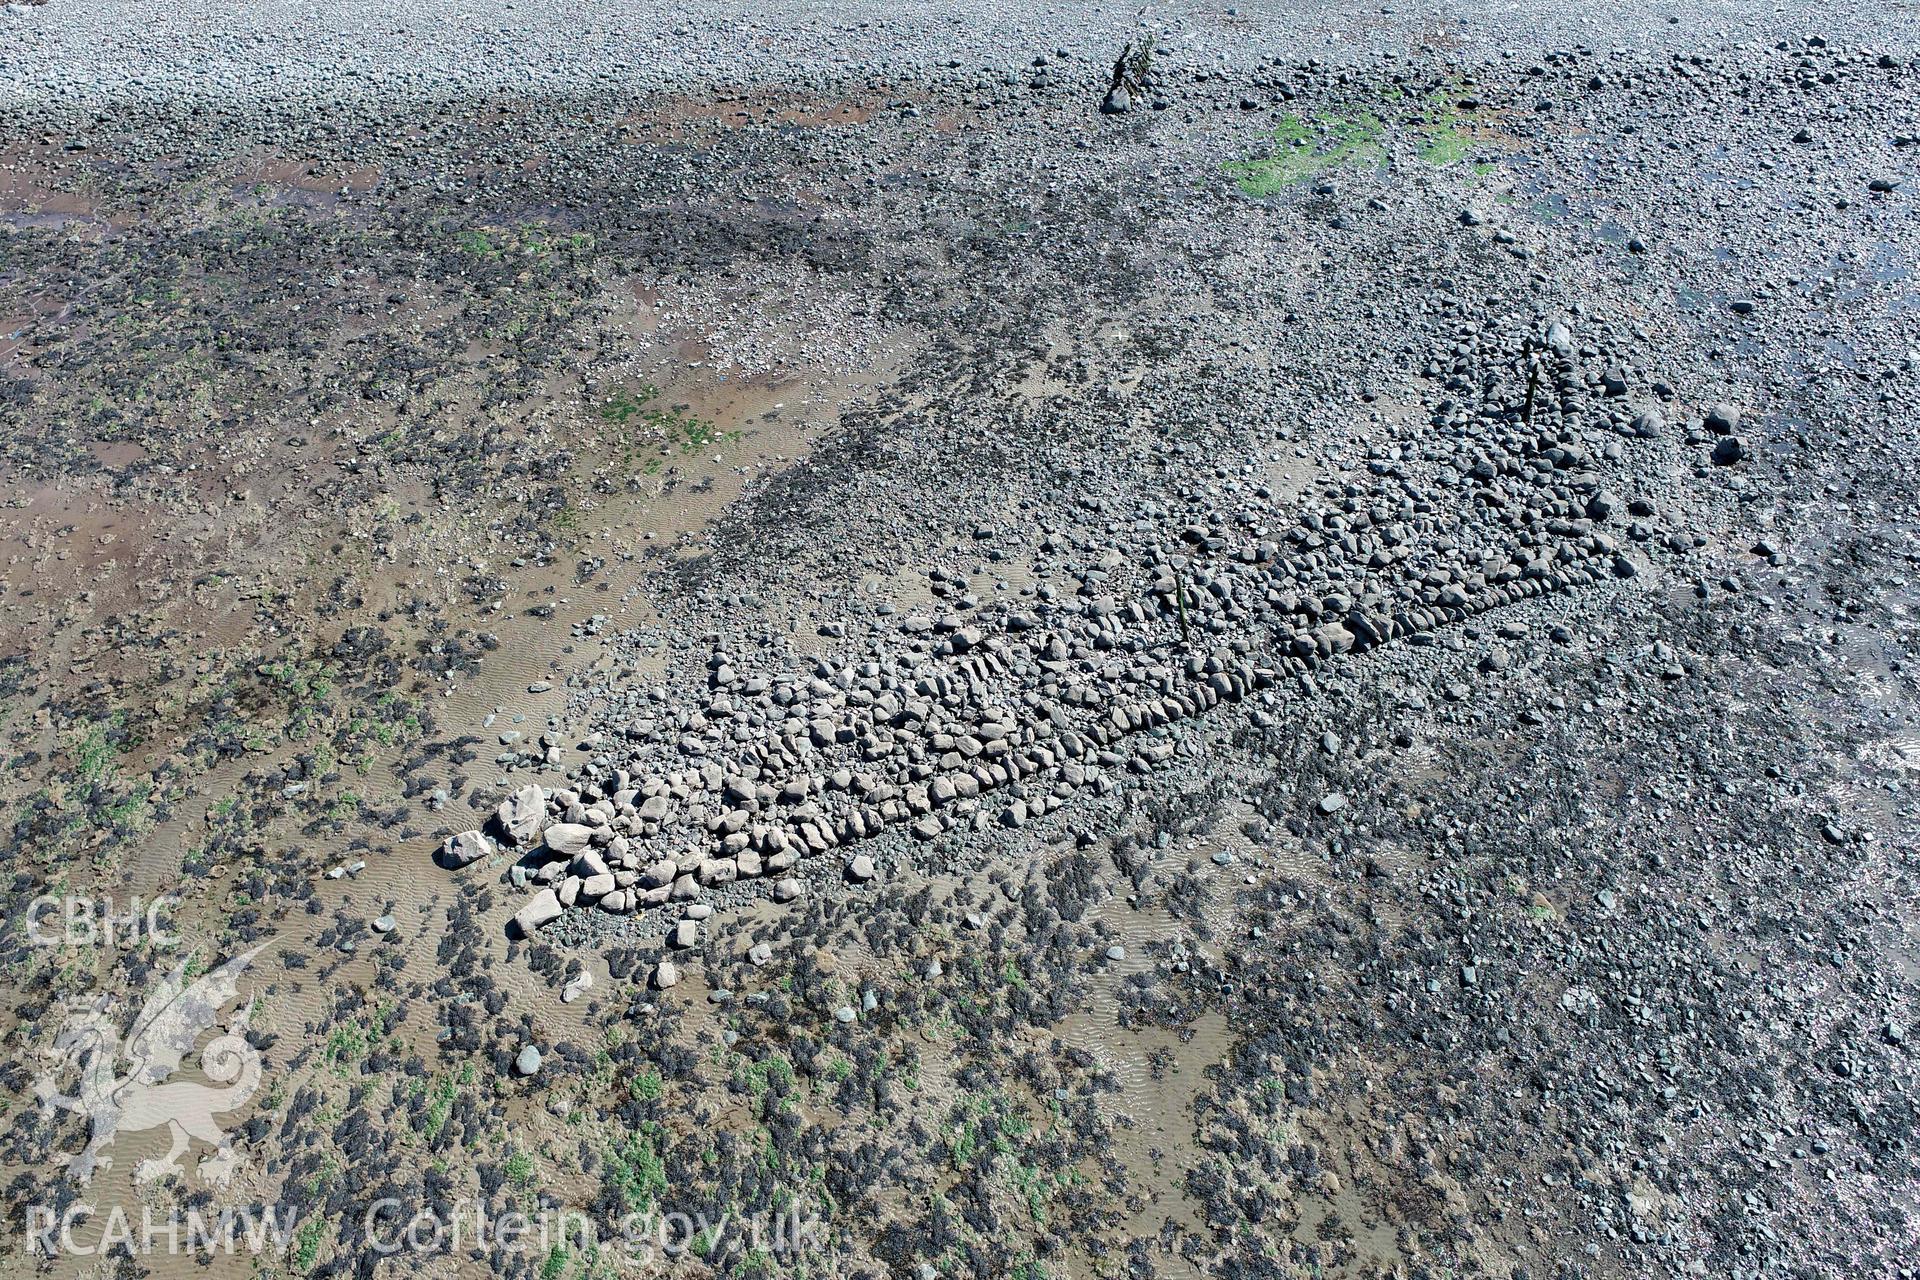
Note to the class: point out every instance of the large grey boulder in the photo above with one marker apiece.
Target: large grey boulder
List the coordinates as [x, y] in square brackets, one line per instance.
[466, 848]
[522, 814]
[542, 908]
[569, 838]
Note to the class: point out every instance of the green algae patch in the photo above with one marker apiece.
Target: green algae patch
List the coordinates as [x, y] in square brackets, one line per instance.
[1446, 146]
[1303, 147]
[672, 430]
[1450, 133]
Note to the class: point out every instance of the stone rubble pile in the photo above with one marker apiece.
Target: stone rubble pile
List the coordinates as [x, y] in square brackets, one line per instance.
[1002, 717]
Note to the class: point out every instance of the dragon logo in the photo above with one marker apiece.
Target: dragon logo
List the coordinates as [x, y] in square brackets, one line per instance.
[175, 1016]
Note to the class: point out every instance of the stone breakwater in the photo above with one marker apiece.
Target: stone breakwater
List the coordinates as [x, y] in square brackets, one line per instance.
[1000, 716]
